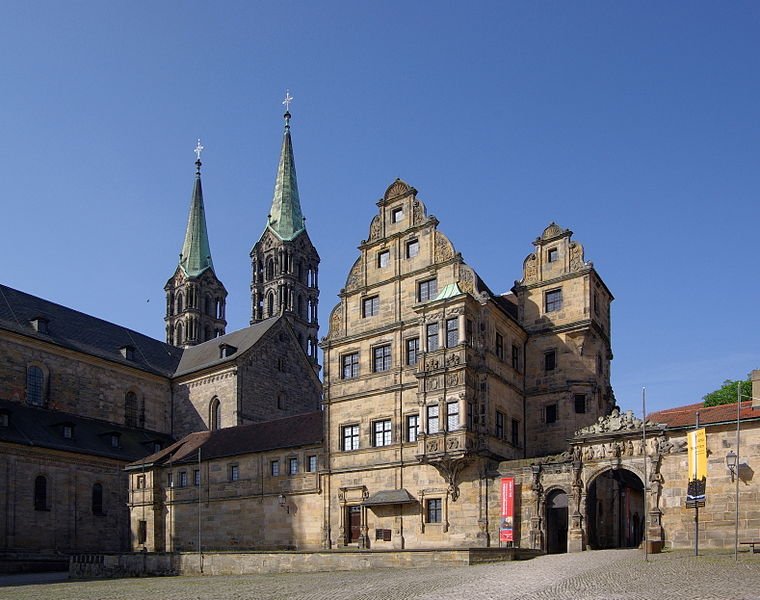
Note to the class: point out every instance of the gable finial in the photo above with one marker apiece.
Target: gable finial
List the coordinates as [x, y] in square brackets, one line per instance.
[198, 150]
[286, 102]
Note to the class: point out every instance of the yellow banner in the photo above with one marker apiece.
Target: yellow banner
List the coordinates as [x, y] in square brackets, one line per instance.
[697, 441]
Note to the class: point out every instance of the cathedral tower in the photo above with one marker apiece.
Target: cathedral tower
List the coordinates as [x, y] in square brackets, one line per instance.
[195, 298]
[284, 261]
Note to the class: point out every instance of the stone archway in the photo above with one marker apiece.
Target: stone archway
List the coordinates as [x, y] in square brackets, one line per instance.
[556, 522]
[615, 510]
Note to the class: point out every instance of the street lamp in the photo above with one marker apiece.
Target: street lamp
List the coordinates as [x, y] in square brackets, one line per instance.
[731, 462]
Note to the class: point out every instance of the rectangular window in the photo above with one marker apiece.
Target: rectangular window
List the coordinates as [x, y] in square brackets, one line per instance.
[499, 424]
[350, 365]
[141, 482]
[580, 404]
[553, 300]
[381, 358]
[515, 357]
[396, 215]
[383, 258]
[499, 346]
[432, 337]
[412, 351]
[469, 332]
[292, 466]
[68, 432]
[183, 479]
[552, 255]
[170, 480]
[142, 532]
[234, 473]
[412, 248]
[196, 477]
[412, 427]
[596, 303]
[515, 433]
[550, 360]
[452, 332]
[433, 510]
[432, 418]
[350, 437]
[427, 290]
[452, 416]
[471, 416]
[4, 419]
[370, 306]
[312, 464]
[115, 440]
[381, 433]
[550, 413]
[274, 468]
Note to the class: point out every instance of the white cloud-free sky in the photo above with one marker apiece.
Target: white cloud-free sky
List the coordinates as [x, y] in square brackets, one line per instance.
[636, 125]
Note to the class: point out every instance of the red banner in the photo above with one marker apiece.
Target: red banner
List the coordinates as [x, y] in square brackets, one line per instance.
[507, 509]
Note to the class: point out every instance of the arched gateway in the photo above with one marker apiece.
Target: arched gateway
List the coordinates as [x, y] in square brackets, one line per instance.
[593, 496]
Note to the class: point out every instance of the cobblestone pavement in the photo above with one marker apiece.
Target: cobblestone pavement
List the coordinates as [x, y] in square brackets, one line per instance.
[608, 574]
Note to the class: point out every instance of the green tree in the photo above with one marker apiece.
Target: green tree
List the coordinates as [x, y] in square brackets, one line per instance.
[727, 393]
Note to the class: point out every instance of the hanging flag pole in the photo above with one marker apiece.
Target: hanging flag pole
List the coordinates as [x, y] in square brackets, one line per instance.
[738, 463]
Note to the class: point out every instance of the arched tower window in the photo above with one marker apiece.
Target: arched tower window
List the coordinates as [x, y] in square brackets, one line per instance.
[35, 386]
[40, 493]
[215, 415]
[300, 306]
[169, 304]
[97, 499]
[179, 303]
[208, 306]
[130, 409]
[270, 269]
[270, 304]
[179, 338]
[281, 400]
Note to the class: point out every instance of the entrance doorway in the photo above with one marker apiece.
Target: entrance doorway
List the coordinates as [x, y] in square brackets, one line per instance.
[354, 529]
[556, 522]
[615, 507]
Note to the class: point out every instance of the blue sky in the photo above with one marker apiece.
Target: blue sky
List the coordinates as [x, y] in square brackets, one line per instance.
[635, 124]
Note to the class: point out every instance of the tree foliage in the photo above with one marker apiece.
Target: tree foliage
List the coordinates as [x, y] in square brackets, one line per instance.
[727, 393]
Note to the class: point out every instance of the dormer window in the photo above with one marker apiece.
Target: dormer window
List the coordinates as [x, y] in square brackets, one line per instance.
[5, 419]
[552, 255]
[68, 431]
[39, 324]
[128, 352]
[225, 350]
[114, 437]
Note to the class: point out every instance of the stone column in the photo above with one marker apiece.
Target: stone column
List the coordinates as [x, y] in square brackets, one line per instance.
[576, 541]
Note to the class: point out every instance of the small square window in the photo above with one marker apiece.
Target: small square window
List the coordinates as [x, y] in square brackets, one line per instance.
[580, 404]
[234, 472]
[550, 360]
[553, 301]
[412, 248]
[311, 464]
[427, 290]
[274, 468]
[397, 214]
[550, 413]
[141, 482]
[292, 466]
[433, 510]
[383, 259]
[370, 306]
[552, 255]
[381, 358]
[350, 364]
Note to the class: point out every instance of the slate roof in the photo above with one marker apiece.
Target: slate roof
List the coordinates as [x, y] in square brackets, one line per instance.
[686, 416]
[75, 330]
[40, 427]
[289, 432]
[208, 354]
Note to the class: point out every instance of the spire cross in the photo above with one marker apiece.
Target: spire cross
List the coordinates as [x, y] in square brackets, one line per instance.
[198, 149]
[287, 101]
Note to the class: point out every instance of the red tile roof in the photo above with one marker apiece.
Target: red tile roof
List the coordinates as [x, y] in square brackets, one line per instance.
[686, 416]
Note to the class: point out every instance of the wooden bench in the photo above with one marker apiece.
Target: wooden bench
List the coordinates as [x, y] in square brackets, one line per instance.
[752, 545]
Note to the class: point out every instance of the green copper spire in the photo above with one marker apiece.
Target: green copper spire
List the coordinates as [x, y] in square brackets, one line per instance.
[196, 252]
[285, 216]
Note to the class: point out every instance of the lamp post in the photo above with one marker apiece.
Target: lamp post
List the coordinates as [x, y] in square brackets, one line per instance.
[731, 460]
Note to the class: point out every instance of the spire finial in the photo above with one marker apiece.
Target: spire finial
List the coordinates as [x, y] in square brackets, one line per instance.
[286, 102]
[198, 150]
